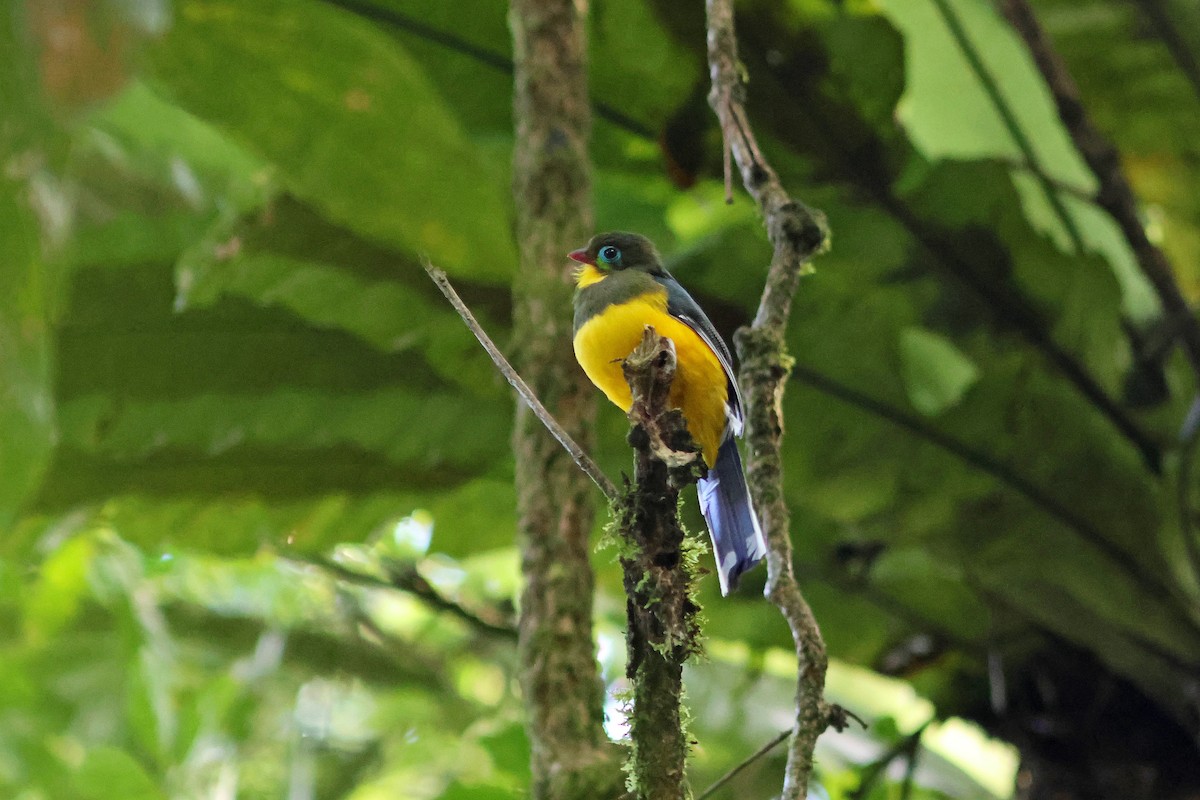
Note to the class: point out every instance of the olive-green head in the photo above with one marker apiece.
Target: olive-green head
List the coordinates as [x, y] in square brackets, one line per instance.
[612, 252]
[613, 269]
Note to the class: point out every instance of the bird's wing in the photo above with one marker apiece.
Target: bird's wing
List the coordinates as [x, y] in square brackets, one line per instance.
[682, 307]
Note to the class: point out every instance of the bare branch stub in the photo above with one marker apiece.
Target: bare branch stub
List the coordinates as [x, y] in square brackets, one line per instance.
[406, 577]
[650, 371]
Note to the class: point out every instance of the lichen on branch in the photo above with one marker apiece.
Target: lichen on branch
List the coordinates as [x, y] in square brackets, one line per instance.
[797, 233]
[659, 562]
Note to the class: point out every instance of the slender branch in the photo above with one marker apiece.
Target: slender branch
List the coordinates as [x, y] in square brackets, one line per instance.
[407, 578]
[992, 88]
[577, 453]
[796, 232]
[1009, 304]
[1115, 195]
[906, 748]
[750, 759]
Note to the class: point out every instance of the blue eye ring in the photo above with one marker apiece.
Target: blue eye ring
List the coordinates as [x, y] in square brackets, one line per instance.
[610, 254]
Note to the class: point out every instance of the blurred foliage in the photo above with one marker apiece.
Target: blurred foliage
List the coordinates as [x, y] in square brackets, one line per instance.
[257, 492]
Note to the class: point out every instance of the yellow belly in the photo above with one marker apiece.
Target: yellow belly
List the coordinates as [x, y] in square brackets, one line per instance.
[699, 389]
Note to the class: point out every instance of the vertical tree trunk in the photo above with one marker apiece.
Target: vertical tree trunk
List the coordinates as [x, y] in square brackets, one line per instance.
[572, 756]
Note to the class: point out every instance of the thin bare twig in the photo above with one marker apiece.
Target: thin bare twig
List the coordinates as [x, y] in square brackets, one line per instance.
[796, 232]
[409, 579]
[585, 462]
[755, 756]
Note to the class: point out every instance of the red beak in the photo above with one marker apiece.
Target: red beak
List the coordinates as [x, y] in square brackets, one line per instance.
[581, 256]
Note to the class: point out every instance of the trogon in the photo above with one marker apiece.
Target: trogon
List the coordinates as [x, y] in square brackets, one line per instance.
[621, 287]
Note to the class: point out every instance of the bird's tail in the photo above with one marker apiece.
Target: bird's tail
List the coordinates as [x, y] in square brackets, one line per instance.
[725, 500]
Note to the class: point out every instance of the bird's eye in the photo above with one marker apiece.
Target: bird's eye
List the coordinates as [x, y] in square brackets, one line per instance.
[610, 254]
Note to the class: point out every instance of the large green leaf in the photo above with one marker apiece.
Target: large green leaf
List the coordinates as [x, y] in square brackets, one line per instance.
[970, 125]
[252, 373]
[974, 125]
[289, 258]
[1075, 301]
[355, 127]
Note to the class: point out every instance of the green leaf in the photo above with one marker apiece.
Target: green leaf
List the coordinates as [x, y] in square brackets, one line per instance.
[290, 258]
[509, 749]
[945, 110]
[972, 126]
[145, 133]
[662, 70]
[109, 773]
[61, 588]
[936, 373]
[974, 209]
[355, 127]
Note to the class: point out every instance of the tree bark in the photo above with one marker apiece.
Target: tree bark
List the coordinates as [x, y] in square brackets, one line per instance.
[663, 629]
[797, 233]
[564, 694]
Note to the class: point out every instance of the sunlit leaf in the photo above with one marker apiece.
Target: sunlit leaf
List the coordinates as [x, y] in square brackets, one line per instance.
[356, 128]
[936, 373]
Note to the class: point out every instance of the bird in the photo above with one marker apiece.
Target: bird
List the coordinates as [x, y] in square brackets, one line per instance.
[621, 286]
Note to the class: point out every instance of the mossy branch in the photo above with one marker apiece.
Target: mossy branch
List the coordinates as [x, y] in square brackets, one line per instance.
[797, 233]
[663, 628]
